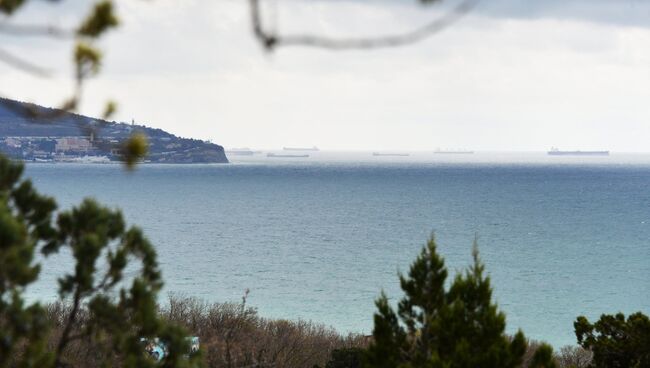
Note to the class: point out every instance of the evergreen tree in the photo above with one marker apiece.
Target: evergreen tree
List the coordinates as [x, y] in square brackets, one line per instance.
[25, 221]
[117, 312]
[345, 358]
[456, 328]
[615, 341]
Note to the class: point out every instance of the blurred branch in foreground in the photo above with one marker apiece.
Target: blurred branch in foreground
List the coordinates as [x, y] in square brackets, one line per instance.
[35, 30]
[22, 64]
[271, 40]
[86, 56]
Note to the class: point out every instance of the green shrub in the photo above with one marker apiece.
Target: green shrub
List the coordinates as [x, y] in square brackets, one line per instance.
[345, 358]
[616, 341]
[452, 328]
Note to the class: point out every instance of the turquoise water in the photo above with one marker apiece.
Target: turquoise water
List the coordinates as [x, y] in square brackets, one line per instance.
[320, 238]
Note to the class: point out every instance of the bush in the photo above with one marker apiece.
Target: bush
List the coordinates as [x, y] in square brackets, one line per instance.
[616, 341]
[345, 358]
[574, 357]
[234, 335]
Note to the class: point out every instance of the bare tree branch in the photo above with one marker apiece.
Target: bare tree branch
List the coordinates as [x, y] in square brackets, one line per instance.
[22, 64]
[35, 30]
[271, 40]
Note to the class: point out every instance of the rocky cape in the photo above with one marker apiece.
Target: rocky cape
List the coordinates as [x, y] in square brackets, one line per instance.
[36, 133]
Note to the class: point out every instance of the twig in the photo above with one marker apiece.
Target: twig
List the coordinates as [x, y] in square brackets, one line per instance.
[271, 40]
[65, 336]
[22, 64]
[35, 30]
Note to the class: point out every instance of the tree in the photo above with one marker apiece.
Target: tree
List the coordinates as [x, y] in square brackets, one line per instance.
[436, 327]
[105, 307]
[345, 358]
[616, 341]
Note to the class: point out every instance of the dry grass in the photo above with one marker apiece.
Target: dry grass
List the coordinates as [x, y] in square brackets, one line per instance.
[231, 336]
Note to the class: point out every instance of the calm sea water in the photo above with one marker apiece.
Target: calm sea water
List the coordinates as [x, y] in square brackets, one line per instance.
[319, 238]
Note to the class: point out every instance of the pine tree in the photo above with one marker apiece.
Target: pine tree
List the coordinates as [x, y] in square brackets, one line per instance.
[439, 328]
[25, 221]
[117, 312]
[345, 358]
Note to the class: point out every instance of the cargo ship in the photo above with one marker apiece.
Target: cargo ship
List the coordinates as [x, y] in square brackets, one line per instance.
[314, 148]
[389, 154]
[240, 152]
[286, 155]
[556, 152]
[454, 152]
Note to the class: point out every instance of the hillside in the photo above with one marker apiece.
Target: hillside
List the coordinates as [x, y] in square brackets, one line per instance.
[32, 132]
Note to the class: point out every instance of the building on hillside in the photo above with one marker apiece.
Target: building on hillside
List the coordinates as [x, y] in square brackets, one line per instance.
[13, 142]
[73, 144]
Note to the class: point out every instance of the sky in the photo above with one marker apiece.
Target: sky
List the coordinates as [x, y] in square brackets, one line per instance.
[513, 75]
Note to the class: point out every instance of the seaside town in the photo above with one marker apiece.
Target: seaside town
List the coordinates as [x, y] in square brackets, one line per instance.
[63, 149]
[80, 139]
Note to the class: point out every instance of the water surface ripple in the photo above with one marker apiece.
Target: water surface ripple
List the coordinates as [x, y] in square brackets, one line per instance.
[319, 241]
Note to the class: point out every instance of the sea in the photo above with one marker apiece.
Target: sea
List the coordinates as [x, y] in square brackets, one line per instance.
[319, 238]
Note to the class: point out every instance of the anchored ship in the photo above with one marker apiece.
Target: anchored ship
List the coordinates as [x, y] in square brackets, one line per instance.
[240, 152]
[286, 155]
[314, 148]
[556, 152]
[389, 154]
[453, 152]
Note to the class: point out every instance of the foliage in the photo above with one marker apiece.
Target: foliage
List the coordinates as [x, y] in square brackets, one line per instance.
[87, 58]
[134, 149]
[574, 357]
[616, 341]
[543, 358]
[345, 358]
[116, 311]
[25, 218]
[101, 19]
[233, 335]
[9, 6]
[436, 327]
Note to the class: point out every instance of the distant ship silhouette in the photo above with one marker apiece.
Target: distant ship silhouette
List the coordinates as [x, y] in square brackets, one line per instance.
[286, 155]
[389, 154]
[556, 152]
[314, 148]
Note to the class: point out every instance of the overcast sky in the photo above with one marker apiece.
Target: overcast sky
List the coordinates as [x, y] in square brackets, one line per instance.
[513, 75]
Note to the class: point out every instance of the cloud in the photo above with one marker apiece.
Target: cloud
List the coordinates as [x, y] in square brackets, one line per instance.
[618, 12]
[498, 80]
